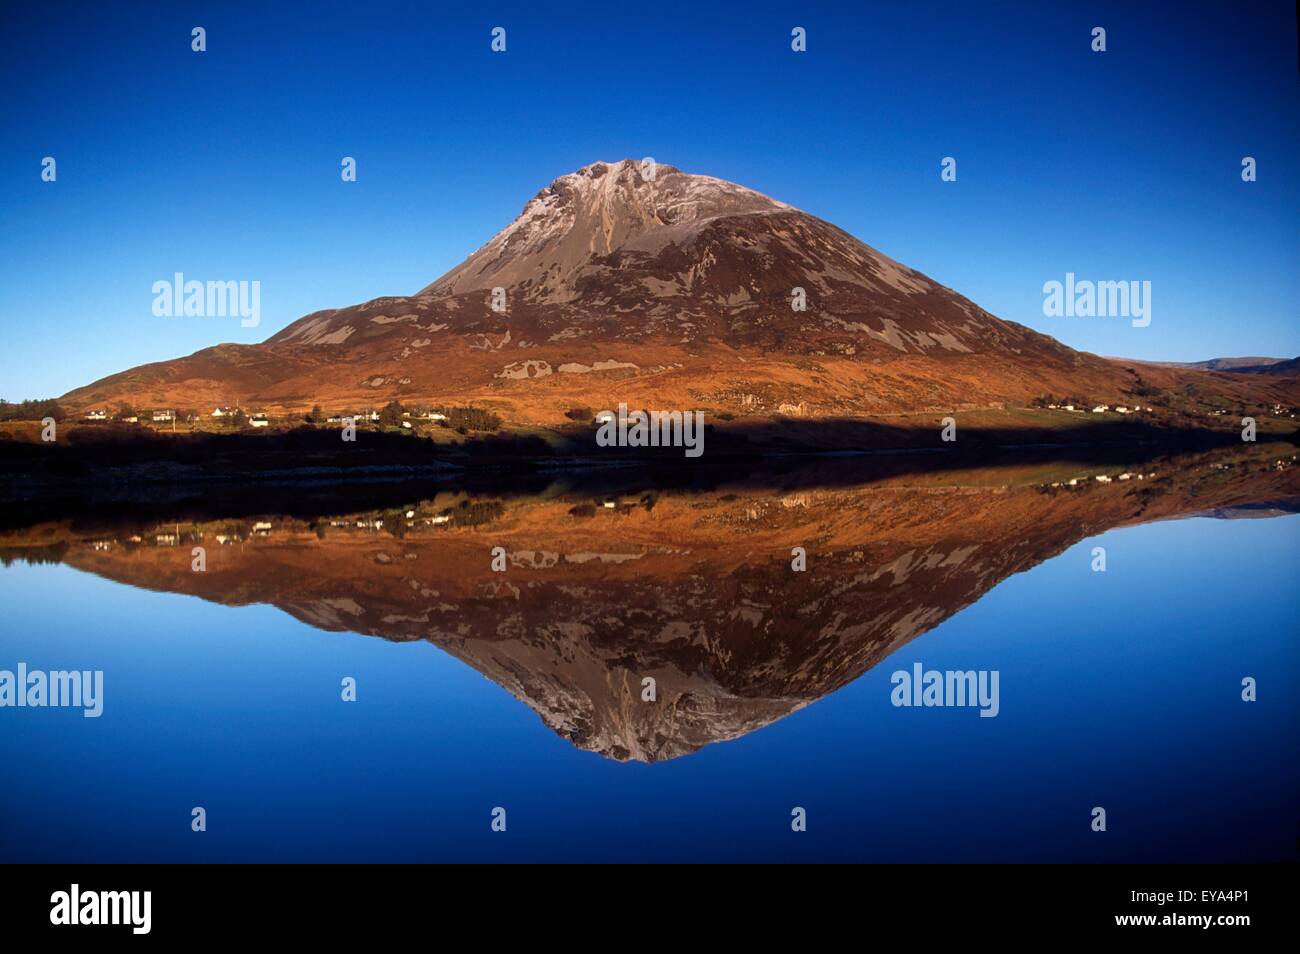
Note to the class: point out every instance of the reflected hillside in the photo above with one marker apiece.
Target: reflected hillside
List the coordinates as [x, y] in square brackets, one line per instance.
[604, 586]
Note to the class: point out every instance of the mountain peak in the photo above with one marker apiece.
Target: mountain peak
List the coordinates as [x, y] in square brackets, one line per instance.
[596, 211]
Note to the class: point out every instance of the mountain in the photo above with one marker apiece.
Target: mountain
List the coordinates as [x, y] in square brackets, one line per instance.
[689, 258]
[1287, 366]
[672, 292]
[1252, 365]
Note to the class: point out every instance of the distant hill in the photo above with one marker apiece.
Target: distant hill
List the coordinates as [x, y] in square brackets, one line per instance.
[1245, 365]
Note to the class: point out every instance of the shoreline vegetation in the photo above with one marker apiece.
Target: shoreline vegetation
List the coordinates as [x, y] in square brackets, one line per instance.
[109, 459]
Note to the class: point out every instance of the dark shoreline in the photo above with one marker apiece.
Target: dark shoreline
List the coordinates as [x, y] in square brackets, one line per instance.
[310, 472]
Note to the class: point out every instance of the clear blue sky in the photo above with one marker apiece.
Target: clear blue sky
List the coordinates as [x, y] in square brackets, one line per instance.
[225, 164]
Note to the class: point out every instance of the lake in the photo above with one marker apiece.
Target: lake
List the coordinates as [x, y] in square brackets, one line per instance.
[640, 669]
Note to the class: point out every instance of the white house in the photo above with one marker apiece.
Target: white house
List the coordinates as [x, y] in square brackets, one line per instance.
[164, 415]
[1101, 409]
[96, 415]
[259, 420]
[1121, 409]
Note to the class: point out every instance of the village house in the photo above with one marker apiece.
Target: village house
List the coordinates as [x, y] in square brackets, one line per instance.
[159, 416]
[259, 419]
[96, 415]
[1101, 409]
[225, 411]
[358, 416]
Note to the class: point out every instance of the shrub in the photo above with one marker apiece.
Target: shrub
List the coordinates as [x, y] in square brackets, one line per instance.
[30, 410]
[465, 419]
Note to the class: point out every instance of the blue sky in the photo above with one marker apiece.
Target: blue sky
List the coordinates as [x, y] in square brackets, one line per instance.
[225, 164]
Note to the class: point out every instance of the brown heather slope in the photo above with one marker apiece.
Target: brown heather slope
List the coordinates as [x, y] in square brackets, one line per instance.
[675, 294]
[693, 588]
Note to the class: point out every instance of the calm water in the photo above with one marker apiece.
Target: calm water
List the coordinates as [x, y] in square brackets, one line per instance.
[521, 689]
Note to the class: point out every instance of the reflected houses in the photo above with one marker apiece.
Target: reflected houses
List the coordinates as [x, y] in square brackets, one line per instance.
[693, 588]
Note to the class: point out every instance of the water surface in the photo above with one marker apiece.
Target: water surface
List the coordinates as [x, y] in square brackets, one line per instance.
[523, 689]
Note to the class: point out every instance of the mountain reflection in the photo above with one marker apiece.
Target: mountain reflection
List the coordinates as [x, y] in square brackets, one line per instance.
[607, 584]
